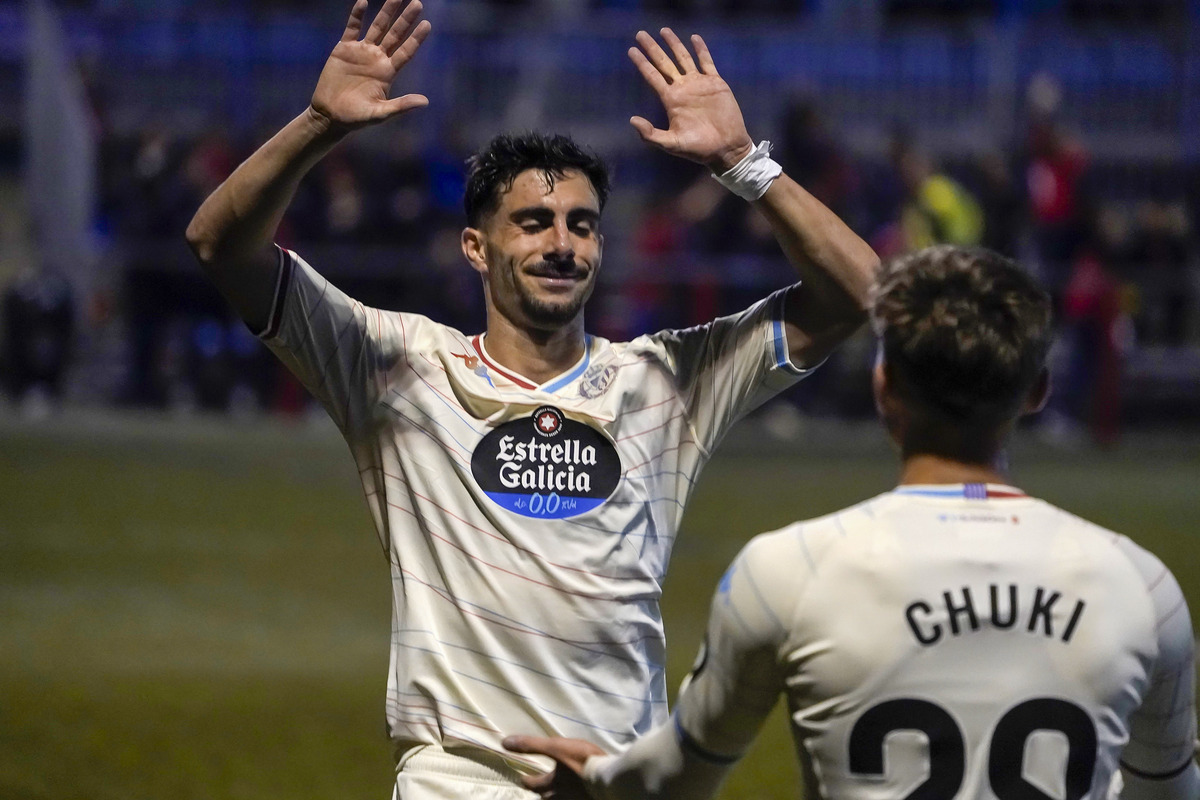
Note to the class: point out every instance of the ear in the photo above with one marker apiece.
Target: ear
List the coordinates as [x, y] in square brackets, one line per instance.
[474, 247]
[879, 383]
[1038, 395]
[889, 408]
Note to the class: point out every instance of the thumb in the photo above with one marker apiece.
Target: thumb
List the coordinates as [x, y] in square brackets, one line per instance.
[648, 132]
[399, 105]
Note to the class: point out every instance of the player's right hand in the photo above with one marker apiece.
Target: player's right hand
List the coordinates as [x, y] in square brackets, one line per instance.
[354, 85]
[565, 781]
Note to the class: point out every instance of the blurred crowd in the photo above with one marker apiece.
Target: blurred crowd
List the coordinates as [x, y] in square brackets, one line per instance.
[1121, 273]
[1037, 203]
[382, 215]
[1124, 11]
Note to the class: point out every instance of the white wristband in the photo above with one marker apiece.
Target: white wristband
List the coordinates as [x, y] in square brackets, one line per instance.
[750, 178]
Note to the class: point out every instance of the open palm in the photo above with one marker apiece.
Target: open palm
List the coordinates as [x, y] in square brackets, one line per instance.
[354, 85]
[704, 121]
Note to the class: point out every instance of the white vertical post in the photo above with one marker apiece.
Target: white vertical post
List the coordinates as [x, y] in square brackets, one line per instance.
[60, 150]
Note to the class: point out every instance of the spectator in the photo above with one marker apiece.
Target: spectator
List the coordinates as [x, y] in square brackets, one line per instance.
[1096, 334]
[1053, 178]
[1002, 204]
[39, 325]
[399, 192]
[936, 208]
[1158, 257]
[814, 156]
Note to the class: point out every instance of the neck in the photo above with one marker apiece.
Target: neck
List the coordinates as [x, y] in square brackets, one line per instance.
[925, 468]
[534, 354]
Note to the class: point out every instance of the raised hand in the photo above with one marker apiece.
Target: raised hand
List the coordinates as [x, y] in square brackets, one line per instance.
[354, 85]
[704, 122]
[565, 782]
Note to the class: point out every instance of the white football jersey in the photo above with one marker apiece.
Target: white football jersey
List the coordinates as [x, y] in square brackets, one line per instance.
[939, 642]
[527, 527]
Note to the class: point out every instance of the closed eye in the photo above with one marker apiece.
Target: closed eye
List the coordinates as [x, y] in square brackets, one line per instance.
[533, 220]
[583, 222]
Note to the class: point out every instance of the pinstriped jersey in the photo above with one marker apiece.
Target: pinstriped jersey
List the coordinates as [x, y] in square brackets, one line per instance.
[527, 526]
[960, 641]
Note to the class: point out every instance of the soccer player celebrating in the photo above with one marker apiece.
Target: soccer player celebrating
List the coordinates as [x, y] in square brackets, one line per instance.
[527, 483]
[953, 638]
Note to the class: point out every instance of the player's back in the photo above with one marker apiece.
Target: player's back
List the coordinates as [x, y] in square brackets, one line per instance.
[962, 642]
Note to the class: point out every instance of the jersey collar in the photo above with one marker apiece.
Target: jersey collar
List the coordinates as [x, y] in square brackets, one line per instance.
[969, 491]
[550, 386]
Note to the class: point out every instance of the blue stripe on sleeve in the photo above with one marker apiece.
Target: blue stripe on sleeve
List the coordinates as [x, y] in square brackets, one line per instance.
[690, 745]
[779, 338]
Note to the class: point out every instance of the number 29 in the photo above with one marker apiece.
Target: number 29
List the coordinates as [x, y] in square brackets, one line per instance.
[947, 746]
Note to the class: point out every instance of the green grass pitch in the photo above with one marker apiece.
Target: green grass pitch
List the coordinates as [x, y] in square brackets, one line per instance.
[200, 610]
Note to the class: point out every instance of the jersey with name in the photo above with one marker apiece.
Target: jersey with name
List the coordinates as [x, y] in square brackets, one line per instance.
[961, 641]
[527, 526]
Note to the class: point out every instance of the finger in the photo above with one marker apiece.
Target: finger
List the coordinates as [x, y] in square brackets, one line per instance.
[354, 25]
[382, 22]
[682, 57]
[522, 744]
[657, 56]
[538, 783]
[703, 56]
[405, 52]
[558, 749]
[402, 27]
[653, 77]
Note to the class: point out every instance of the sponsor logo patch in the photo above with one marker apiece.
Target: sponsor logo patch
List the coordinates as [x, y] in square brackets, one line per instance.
[546, 466]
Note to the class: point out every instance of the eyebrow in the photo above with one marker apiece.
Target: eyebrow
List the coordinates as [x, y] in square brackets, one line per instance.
[541, 212]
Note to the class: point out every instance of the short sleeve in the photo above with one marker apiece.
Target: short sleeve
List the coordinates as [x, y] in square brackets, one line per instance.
[730, 366]
[738, 675]
[1163, 729]
[724, 701]
[328, 340]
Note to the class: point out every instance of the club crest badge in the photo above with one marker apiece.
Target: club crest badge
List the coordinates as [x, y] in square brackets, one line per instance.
[596, 380]
[546, 466]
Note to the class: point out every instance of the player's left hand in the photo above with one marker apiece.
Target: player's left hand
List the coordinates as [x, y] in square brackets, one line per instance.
[565, 781]
[704, 121]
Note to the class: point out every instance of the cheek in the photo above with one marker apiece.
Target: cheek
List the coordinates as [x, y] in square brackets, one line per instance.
[519, 253]
[589, 250]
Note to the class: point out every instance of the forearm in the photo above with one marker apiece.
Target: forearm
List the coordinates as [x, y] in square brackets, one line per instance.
[232, 232]
[655, 766]
[1183, 785]
[834, 262]
[241, 216]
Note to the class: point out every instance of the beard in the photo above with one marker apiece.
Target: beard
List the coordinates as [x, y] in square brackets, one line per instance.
[552, 313]
[556, 311]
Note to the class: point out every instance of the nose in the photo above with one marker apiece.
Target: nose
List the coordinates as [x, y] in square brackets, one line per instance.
[560, 248]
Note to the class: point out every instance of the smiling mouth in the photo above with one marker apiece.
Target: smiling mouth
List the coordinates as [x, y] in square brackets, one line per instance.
[556, 275]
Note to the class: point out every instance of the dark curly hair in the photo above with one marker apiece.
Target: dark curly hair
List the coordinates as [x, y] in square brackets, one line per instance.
[964, 332]
[492, 170]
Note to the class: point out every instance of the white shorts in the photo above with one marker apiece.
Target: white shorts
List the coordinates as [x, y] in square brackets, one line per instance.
[428, 772]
